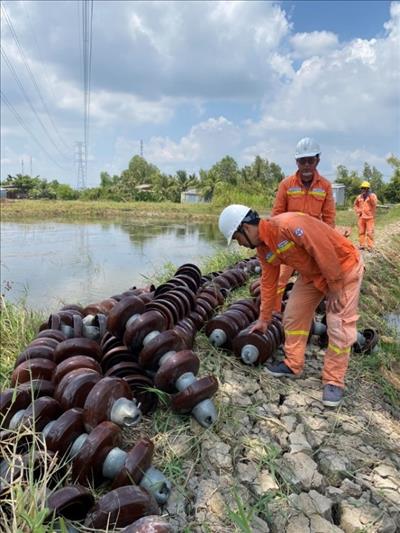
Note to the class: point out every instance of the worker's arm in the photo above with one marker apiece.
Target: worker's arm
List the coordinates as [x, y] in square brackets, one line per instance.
[357, 208]
[268, 288]
[280, 203]
[329, 208]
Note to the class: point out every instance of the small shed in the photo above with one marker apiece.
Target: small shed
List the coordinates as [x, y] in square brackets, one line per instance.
[3, 193]
[191, 196]
[339, 190]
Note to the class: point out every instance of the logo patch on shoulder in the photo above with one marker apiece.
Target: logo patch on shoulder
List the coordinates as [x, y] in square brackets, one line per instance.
[299, 232]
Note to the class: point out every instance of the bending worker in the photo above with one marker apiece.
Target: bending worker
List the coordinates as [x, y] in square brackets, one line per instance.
[328, 264]
[365, 208]
[306, 191]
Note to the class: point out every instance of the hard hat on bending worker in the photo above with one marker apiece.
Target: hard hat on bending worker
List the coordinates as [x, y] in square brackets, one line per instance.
[306, 191]
[328, 264]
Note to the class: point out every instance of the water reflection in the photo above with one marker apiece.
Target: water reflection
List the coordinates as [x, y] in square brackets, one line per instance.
[52, 262]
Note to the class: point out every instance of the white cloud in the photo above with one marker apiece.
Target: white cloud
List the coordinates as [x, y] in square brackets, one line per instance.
[314, 43]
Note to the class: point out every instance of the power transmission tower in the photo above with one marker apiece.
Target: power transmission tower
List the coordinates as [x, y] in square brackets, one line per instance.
[80, 158]
[141, 147]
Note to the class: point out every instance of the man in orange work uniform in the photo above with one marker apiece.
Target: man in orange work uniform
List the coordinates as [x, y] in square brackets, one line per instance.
[306, 191]
[365, 207]
[328, 264]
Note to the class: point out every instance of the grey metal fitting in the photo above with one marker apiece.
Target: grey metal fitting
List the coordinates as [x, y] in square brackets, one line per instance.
[205, 413]
[165, 357]
[150, 336]
[249, 354]
[16, 419]
[156, 484]
[67, 330]
[217, 337]
[184, 381]
[113, 463]
[91, 332]
[125, 412]
[132, 319]
[77, 445]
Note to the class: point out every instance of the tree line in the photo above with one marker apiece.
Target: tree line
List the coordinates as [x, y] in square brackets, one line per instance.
[225, 182]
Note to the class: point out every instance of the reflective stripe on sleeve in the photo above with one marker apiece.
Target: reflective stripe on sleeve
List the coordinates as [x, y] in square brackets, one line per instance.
[297, 332]
[339, 351]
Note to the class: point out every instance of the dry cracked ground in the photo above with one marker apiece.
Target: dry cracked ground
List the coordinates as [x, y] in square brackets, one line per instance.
[278, 461]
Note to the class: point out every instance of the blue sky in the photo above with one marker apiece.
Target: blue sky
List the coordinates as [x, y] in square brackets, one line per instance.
[200, 80]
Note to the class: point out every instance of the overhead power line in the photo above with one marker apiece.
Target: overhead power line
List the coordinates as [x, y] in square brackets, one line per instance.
[34, 82]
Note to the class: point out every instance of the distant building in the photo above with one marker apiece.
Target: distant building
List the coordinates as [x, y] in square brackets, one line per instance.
[3, 194]
[338, 190]
[191, 196]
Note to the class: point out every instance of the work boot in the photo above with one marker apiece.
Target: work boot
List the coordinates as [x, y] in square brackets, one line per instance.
[332, 395]
[279, 370]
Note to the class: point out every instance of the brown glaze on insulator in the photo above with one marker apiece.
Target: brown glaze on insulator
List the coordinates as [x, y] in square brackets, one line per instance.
[180, 303]
[164, 342]
[188, 292]
[264, 342]
[250, 314]
[147, 322]
[77, 326]
[52, 334]
[87, 465]
[190, 270]
[65, 430]
[73, 363]
[72, 307]
[149, 524]
[274, 330]
[186, 302]
[121, 313]
[222, 282]
[176, 365]
[38, 387]
[146, 297]
[226, 324]
[106, 305]
[27, 468]
[117, 355]
[166, 309]
[238, 317]
[40, 412]
[231, 277]
[109, 341]
[11, 401]
[91, 309]
[71, 502]
[74, 387]
[67, 317]
[121, 370]
[214, 291]
[120, 506]
[193, 266]
[141, 386]
[137, 461]
[198, 319]
[255, 287]
[206, 306]
[77, 346]
[33, 369]
[186, 333]
[35, 352]
[188, 280]
[101, 399]
[184, 401]
[163, 288]
[44, 341]
[208, 297]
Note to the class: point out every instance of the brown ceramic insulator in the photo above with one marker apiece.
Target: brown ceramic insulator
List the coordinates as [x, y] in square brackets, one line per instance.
[40, 412]
[188, 292]
[35, 352]
[122, 312]
[141, 386]
[189, 265]
[77, 326]
[52, 334]
[176, 365]
[278, 323]
[87, 465]
[11, 401]
[117, 355]
[226, 324]
[250, 314]
[273, 329]
[109, 341]
[71, 502]
[163, 288]
[44, 341]
[184, 300]
[149, 524]
[38, 387]
[137, 461]
[91, 309]
[206, 306]
[77, 346]
[222, 282]
[264, 342]
[209, 298]
[255, 287]
[67, 317]
[168, 309]
[64, 431]
[106, 305]
[33, 369]
[184, 401]
[73, 363]
[231, 277]
[74, 387]
[146, 297]
[190, 271]
[54, 321]
[237, 316]
[120, 506]
[72, 307]
[166, 341]
[214, 291]
[121, 370]
[186, 333]
[27, 468]
[198, 319]
[146, 323]
[101, 399]
[188, 280]
[180, 303]
[250, 303]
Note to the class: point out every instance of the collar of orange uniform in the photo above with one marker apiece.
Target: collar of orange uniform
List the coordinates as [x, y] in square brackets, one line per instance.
[263, 228]
[315, 179]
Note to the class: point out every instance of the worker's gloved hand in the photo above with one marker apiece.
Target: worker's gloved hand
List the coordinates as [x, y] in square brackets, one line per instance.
[333, 302]
[260, 325]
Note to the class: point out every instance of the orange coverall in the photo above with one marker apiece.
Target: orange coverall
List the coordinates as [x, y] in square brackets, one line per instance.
[317, 201]
[328, 264]
[365, 207]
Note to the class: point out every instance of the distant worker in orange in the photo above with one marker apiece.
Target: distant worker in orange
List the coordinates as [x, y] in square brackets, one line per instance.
[328, 264]
[306, 191]
[365, 208]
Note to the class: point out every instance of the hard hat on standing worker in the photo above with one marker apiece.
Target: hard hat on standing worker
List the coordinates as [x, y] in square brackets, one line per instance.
[231, 218]
[307, 147]
[365, 185]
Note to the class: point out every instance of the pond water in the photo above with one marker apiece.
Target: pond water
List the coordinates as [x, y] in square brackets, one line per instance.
[51, 263]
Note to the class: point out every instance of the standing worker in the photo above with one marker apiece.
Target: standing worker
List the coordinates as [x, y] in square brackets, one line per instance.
[306, 191]
[365, 207]
[328, 264]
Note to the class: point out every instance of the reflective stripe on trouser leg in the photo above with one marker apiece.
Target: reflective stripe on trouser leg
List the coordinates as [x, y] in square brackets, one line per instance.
[285, 273]
[342, 329]
[297, 318]
[362, 228]
[370, 224]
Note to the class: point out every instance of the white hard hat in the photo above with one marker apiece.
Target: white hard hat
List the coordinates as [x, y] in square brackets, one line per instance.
[307, 147]
[231, 218]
